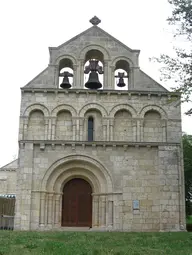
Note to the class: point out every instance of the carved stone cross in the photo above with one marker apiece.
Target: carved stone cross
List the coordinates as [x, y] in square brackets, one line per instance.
[95, 21]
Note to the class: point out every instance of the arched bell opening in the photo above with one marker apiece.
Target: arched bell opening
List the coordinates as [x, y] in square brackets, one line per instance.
[121, 75]
[93, 70]
[66, 71]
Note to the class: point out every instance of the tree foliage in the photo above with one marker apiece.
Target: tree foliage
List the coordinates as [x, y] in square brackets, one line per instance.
[179, 67]
[187, 151]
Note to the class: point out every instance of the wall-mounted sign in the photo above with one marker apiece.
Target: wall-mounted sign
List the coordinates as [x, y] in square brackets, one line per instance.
[135, 204]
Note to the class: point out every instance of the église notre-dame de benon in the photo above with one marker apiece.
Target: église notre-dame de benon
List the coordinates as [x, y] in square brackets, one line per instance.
[99, 143]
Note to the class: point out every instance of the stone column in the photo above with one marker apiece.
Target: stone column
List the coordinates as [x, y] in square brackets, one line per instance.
[164, 130]
[111, 129]
[104, 123]
[81, 70]
[53, 125]
[105, 76]
[141, 130]
[74, 129]
[110, 212]
[57, 221]
[111, 75]
[77, 137]
[46, 208]
[25, 127]
[42, 209]
[131, 78]
[102, 211]
[46, 128]
[82, 132]
[134, 130]
[108, 131]
[95, 211]
[50, 208]
[75, 81]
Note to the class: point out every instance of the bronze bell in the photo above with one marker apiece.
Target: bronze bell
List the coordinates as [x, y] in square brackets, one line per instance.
[65, 83]
[121, 82]
[93, 82]
[94, 69]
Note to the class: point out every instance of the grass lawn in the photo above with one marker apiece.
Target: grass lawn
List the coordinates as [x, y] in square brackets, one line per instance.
[98, 243]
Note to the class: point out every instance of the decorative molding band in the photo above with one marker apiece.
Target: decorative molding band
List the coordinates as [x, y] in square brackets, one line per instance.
[84, 144]
[129, 93]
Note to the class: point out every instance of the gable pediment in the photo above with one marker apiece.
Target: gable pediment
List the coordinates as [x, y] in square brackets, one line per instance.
[94, 36]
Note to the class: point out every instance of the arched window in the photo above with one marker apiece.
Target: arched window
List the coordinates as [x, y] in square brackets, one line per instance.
[90, 129]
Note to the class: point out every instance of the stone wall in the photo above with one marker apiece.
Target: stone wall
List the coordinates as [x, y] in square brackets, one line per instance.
[118, 116]
[7, 182]
[137, 173]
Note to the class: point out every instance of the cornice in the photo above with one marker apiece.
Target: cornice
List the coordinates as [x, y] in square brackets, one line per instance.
[84, 144]
[129, 93]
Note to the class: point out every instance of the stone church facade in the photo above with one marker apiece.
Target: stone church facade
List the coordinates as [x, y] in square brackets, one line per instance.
[106, 159]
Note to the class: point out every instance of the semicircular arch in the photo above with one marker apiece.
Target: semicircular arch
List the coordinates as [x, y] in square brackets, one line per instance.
[77, 165]
[115, 60]
[35, 107]
[119, 107]
[98, 107]
[70, 57]
[64, 107]
[156, 108]
[84, 51]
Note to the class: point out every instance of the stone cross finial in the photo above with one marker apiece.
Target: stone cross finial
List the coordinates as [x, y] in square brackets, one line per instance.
[95, 21]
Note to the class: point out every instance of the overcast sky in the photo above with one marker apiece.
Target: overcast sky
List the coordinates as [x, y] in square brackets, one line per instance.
[28, 28]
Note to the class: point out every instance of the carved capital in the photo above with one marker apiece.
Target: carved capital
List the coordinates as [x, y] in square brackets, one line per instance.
[104, 122]
[81, 121]
[53, 121]
[111, 121]
[134, 123]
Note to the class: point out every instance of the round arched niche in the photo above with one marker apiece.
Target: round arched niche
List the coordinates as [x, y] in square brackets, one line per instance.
[36, 125]
[64, 128]
[77, 165]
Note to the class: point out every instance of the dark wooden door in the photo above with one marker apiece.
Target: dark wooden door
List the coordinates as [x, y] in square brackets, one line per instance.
[77, 204]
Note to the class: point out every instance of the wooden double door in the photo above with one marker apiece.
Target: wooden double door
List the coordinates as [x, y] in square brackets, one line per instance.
[77, 204]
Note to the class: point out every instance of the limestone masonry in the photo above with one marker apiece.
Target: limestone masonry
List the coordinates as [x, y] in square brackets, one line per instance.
[123, 144]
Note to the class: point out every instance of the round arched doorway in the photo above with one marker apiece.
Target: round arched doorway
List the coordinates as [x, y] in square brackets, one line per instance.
[77, 204]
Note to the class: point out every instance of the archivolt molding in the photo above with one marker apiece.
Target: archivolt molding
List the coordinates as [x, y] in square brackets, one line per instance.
[94, 47]
[115, 60]
[34, 107]
[123, 107]
[91, 106]
[72, 58]
[94, 179]
[64, 107]
[73, 166]
[157, 108]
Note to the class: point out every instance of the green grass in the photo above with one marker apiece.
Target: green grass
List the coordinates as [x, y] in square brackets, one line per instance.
[189, 220]
[98, 243]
